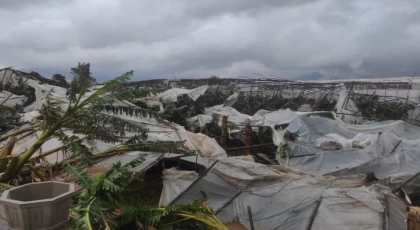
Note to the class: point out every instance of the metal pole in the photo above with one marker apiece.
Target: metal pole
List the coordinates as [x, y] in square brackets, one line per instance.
[251, 222]
[228, 202]
[313, 215]
[193, 183]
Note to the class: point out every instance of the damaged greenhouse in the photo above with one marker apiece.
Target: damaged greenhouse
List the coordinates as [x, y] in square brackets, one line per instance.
[217, 153]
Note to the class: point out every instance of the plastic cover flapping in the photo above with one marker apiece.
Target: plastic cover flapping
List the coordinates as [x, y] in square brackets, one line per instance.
[288, 202]
[241, 171]
[388, 149]
[345, 107]
[11, 100]
[171, 95]
[168, 131]
[214, 189]
[104, 165]
[174, 183]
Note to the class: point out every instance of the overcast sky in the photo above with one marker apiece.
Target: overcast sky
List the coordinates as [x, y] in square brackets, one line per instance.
[228, 38]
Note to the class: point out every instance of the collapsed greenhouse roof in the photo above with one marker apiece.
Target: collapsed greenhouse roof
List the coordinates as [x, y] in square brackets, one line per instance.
[319, 184]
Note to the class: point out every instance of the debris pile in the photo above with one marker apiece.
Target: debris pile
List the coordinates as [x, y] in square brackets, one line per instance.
[265, 153]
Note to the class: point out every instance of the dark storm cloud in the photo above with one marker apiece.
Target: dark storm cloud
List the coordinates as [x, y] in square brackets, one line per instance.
[200, 38]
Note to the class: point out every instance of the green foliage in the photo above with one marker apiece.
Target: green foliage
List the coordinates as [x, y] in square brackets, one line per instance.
[373, 108]
[214, 80]
[251, 103]
[102, 205]
[264, 135]
[95, 207]
[197, 215]
[82, 79]
[60, 80]
[80, 150]
[185, 108]
[213, 128]
[284, 149]
[87, 114]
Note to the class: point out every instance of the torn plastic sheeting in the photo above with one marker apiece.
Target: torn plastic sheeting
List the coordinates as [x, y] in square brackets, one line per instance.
[171, 95]
[41, 90]
[402, 129]
[205, 145]
[338, 209]
[232, 99]
[8, 76]
[288, 203]
[105, 164]
[405, 160]
[37, 105]
[370, 196]
[297, 200]
[347, 106]
[11, 100]
[151, 103]
[194, 94]
[213, 188]
[30, 116]
[327, 161]
[361, 140]
[313, 129]
[234, 116]
[242, 172]
[27, 141]
[312, 126]
[174, 183]
[168, 131]
[377, 157]
[396, 212]
[262, 118]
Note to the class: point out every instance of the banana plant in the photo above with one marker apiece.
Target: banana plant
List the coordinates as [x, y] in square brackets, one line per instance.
[87, 113]
[101, 204]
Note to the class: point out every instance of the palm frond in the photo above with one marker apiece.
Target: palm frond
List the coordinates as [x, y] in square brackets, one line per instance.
[77, 148]
[83, 178]
[150, 146]
[127, 110]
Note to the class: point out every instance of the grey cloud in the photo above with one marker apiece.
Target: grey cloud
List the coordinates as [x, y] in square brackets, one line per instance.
[19, 4]
[336, 38]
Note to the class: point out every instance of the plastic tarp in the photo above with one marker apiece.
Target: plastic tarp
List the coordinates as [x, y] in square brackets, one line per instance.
[11, 100]
[25, 141]
[347, 106]
[106, 163]
[242, 171]
[260, 118]
[287, 201]
[234, 116]
[168, 131]
[151, 103]
[388, 149]
[171, 95]
[174, 183]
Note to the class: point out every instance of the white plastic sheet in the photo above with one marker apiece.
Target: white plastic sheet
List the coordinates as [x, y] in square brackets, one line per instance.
[168, 131]
[11, 100]
[171, 95]
[347, 106]
[288, 201]
[241, 172]
[388, 149]
[174, 183]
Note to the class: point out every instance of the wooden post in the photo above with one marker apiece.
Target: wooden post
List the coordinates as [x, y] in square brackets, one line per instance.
[248, 138]
[224, 137]
[413, 218]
